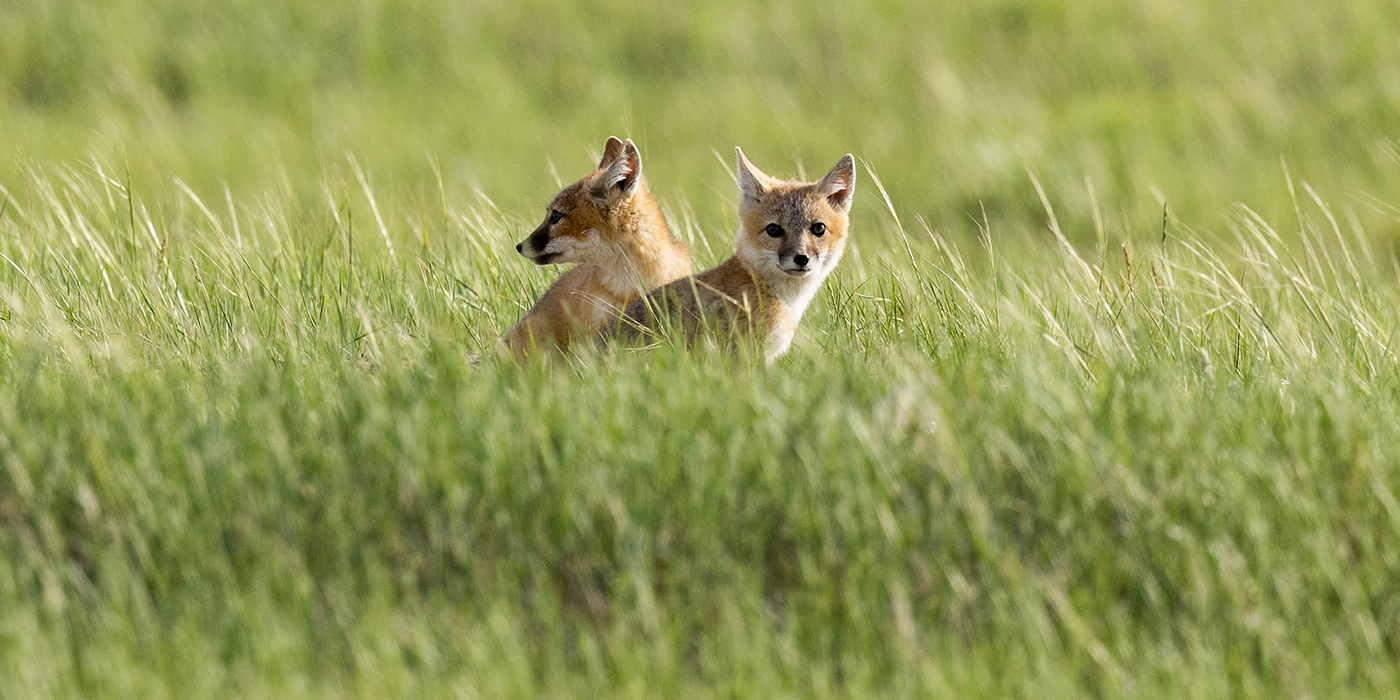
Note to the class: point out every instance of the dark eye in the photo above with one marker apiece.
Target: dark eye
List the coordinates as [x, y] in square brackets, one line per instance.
[555, 217]
[818, 228]
[775, 230]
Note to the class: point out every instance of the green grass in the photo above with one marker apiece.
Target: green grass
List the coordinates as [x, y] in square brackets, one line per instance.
[1033, 439]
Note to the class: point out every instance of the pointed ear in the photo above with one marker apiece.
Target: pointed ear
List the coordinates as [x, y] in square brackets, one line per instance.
[620, 176]
[753, 184]
[610, 151]
[839, 184]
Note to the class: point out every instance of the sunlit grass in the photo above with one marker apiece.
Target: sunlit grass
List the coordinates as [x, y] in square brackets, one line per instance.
[1069, 420]
[1195, 103]
[246, 442]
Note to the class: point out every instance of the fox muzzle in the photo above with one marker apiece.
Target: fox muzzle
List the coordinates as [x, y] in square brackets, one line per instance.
[533, 246]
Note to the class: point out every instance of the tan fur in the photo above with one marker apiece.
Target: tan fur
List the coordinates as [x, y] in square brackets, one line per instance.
[755, 294]
[610, 224]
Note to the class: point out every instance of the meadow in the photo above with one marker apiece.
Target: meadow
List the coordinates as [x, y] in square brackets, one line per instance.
[1103, 401]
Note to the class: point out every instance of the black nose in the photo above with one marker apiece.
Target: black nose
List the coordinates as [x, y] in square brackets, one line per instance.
[519, 247]
[801, 260]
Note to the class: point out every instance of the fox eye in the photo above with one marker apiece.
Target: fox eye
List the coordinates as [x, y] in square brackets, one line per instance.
[818, 228]
[775, 230]
[555, 217]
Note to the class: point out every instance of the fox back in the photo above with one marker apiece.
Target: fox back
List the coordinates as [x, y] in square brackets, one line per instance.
[791, 236]
[611, 226]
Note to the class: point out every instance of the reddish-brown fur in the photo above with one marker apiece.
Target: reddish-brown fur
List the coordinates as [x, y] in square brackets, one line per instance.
[610, 224]
[762, 291]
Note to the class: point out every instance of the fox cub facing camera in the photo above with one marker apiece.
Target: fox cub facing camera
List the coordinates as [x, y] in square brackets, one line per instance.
[610, 225]
[791, 235]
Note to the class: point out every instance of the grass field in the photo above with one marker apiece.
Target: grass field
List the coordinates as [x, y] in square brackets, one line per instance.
[1103, 401]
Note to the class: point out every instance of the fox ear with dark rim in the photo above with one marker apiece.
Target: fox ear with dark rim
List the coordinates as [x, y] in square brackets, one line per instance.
[839, 184]
[753, 184]
[620, 176]
[611, 150]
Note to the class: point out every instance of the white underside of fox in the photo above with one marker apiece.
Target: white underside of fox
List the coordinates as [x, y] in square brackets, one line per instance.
[794, 292]
[620, 278]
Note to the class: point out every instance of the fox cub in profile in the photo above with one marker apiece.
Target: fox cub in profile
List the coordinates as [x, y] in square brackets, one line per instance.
[610, 225]
[791, 235]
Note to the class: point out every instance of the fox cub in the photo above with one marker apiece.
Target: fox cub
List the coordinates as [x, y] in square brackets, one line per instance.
[791, 235]
[610, 225]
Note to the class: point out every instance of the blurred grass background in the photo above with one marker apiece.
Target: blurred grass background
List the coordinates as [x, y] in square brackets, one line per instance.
[246, 449]
[1192, 102]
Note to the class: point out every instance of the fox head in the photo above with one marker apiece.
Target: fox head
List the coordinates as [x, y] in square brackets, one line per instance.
[794, 229]
[582, 217]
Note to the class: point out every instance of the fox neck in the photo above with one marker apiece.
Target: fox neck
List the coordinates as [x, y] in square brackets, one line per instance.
[647, 250]
[795, 293]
